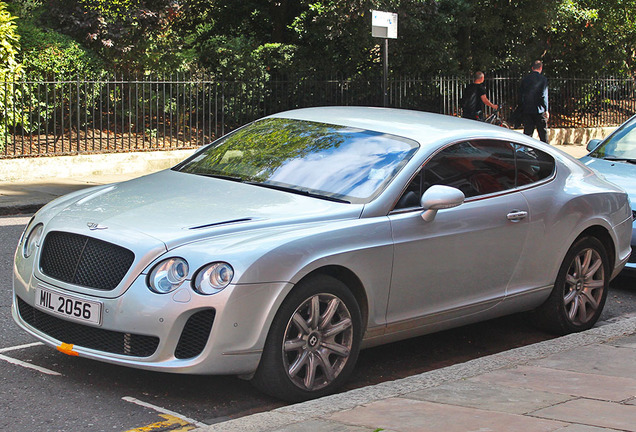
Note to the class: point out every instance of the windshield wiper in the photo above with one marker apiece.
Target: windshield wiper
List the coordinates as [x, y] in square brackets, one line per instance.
[297, 191]
[620, 159]
[222, 176]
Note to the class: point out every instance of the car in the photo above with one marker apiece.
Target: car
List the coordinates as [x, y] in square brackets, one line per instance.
[615, 159]
[282, 249]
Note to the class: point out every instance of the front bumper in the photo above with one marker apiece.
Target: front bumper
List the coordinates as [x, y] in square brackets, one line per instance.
[630, 267]
[152, 331]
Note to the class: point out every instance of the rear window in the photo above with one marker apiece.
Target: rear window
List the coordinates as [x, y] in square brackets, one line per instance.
[532, 165]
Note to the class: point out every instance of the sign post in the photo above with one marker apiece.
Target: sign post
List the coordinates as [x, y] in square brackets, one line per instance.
[384, 25]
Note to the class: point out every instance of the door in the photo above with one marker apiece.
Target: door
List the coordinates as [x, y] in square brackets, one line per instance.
[462, 261]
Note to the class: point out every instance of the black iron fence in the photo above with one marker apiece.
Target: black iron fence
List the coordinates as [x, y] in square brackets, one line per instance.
[59, 117]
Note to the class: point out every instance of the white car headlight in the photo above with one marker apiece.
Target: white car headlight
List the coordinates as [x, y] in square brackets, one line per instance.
[213, 278]
[32, 240]
[168, 275]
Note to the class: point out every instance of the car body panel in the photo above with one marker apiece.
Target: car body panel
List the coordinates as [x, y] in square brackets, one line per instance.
[475, 232]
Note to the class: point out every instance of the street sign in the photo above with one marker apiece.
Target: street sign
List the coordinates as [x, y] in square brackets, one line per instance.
[384, 24]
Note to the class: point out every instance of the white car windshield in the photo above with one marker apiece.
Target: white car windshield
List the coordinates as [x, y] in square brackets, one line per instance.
[621, 145]
[327, 161]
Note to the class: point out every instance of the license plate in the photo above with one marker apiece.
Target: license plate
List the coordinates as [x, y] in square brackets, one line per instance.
[68, 306]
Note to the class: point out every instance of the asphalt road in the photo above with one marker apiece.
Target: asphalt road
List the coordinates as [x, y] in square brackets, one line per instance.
[45, 390]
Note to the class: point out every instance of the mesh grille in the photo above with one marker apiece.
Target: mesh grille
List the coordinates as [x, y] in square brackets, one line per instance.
[89, 337]
[84, 261]
[195, 334]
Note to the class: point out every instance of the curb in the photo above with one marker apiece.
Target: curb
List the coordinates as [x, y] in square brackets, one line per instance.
[318, 408]
[15, 210]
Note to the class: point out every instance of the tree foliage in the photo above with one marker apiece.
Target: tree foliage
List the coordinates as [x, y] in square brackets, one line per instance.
[9, 69]
[255, 39]
[134, 36]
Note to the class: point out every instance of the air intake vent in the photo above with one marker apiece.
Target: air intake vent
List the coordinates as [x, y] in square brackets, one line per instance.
[84, 261]
[195, 334]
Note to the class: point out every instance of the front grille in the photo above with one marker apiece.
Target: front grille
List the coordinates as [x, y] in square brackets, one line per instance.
[195, 334]
[84, 261]
[89, 337]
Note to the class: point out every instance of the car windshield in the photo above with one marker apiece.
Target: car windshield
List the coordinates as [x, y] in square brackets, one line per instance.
[621, 145]
[322, 160]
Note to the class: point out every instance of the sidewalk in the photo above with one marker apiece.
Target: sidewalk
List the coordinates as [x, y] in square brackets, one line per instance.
[28, 196]
[584, 382]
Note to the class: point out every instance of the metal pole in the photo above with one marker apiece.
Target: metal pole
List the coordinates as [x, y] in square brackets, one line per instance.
[386, 73]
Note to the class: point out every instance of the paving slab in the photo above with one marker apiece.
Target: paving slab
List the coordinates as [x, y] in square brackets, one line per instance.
[627, 342]
[593, 413]
[602, 359]
[585, 428]
[324, 426]
[407, 415]
[563, 382]
[493, 397]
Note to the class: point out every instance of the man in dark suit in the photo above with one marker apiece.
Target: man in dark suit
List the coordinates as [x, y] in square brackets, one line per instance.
[534, 102]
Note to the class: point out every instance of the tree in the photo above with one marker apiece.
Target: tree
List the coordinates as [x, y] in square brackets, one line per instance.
[136, 36]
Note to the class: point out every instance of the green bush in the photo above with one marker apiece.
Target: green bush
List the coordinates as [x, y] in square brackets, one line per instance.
[9, 68]
[46, 53]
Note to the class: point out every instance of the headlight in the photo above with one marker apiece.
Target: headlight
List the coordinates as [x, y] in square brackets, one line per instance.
[168, 275]
[213, 278]
[32, 241]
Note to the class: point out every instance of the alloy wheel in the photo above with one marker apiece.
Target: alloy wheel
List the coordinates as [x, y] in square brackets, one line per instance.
[584, 286]
[317, 341]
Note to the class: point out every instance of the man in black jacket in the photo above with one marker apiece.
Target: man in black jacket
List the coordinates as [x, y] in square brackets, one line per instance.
[534, 102]
[474, 98]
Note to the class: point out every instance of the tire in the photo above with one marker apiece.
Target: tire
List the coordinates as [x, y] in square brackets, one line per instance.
[580, 290]
[505, 125]
[308, 354]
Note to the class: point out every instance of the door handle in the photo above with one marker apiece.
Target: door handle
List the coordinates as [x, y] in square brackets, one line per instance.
[517, 215]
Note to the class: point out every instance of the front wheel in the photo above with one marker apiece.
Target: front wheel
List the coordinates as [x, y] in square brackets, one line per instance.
[313, 343]
[580, 290]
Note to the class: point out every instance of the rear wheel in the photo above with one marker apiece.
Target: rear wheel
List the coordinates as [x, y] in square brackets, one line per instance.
[580, 290]
[313, 343]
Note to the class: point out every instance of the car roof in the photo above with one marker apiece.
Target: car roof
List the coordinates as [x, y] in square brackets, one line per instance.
[428, 129]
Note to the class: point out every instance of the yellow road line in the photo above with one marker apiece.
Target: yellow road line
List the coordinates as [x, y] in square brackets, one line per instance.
[170, 424]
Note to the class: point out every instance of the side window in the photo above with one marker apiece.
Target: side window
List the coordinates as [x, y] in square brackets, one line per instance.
[532, 165]
[476, 168]
[412, 195]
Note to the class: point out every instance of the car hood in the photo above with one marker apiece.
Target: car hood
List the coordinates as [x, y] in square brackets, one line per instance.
[622, 174]
[176, 207]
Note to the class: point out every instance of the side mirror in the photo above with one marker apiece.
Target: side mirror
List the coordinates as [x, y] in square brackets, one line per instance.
[593, 144]
[439, 197]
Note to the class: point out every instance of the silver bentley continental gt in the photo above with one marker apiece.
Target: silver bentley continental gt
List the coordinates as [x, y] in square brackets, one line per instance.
[279, 251]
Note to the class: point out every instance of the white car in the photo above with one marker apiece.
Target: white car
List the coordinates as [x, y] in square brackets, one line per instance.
[279, 251]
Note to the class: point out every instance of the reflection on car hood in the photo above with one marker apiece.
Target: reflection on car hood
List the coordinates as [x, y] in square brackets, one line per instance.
[176, 207]
[621, 173]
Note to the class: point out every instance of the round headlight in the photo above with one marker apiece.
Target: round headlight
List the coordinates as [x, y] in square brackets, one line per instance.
[168, 275]
[213, 278]
[32, 241]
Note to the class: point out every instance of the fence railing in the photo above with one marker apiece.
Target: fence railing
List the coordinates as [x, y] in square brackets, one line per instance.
[61, 117]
